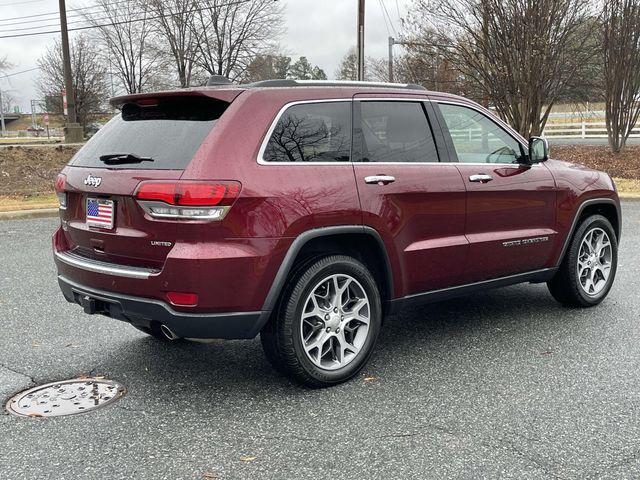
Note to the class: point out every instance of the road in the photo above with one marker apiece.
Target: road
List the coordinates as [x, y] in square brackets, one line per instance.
[502, 384]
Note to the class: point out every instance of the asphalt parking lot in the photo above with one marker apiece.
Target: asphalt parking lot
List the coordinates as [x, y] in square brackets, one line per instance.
[502, 384]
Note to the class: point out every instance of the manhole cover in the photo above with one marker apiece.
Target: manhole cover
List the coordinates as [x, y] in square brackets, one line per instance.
[65, 398]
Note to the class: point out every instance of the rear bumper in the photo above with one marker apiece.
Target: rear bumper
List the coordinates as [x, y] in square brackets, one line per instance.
[143, 311]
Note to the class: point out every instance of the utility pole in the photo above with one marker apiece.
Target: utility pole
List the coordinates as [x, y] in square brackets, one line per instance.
[391, 44]
[2, 114]
[73, 131]
[361, 40]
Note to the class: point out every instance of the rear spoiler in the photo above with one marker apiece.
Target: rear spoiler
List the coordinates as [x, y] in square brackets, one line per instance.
[225, 94]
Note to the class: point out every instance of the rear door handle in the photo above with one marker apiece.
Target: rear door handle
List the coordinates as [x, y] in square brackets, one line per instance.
[480, 177]
[379, 179]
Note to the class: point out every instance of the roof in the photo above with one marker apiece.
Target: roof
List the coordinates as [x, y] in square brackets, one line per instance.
[228, 91]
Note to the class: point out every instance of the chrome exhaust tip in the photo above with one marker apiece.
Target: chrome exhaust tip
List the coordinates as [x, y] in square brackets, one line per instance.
[168, 333]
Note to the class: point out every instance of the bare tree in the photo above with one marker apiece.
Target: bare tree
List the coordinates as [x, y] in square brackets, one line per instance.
[125, 31]
[348, 68]
[172, 22]
[621, 51]
[89, 78]
[8, 101]
[520, 54]
[230, 34]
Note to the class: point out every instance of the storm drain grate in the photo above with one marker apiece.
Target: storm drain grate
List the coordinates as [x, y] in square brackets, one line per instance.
[68, 397]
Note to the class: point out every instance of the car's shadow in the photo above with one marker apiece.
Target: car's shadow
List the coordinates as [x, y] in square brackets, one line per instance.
[233, 369]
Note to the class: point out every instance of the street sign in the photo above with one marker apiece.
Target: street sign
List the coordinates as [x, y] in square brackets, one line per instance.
[45, 119]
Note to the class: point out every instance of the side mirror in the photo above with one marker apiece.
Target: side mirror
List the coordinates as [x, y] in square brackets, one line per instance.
[538, 150]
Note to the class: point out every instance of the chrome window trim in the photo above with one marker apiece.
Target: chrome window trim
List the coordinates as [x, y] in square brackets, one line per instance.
[105, 268]
[272, 127]
[500, 123]
[417, 97]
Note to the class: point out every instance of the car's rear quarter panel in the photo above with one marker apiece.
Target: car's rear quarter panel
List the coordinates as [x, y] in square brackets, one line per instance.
[277, 202]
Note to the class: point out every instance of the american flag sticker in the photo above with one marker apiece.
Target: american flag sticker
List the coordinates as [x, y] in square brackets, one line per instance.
[100, 213]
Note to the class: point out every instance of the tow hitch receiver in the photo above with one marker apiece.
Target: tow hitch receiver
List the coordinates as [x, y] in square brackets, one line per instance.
[89, 304]
[92, 305]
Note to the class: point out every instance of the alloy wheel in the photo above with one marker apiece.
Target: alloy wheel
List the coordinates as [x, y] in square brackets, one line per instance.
[594, 261]
[335, 321]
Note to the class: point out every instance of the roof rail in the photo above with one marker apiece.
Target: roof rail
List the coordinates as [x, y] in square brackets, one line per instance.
[330, 83]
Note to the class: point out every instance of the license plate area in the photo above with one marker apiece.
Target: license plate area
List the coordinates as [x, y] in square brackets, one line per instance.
[100, 213]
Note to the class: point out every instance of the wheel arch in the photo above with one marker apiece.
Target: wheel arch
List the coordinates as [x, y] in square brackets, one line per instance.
[361, 242]
[607, 207]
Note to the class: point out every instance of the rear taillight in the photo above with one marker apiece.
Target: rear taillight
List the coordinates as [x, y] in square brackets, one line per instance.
[61, 183]
[187, 199]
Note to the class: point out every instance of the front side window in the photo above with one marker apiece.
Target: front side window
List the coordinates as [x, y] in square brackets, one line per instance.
[312, 132]
[396, 132]
[477, 139]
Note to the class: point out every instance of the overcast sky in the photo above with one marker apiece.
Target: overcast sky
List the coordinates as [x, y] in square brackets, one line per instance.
[321, 30]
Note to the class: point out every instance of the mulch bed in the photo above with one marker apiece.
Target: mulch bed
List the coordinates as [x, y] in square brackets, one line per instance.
[623, 165]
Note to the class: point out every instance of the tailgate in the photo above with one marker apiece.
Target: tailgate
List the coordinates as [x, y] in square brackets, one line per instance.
[154, 138]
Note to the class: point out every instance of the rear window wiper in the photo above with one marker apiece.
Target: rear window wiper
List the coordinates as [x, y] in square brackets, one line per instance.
[122, 158]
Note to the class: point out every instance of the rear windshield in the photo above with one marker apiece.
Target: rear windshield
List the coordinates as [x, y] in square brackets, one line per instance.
[169, 132]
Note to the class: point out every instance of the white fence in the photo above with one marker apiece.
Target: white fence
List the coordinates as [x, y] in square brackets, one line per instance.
[581, 130]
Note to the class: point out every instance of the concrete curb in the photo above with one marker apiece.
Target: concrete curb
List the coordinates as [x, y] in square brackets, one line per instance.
[26, 214]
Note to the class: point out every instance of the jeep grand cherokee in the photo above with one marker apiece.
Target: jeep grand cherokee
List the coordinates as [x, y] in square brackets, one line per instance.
[306, 212]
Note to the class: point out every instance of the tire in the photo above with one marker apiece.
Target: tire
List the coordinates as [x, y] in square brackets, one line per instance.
[567, 286]
[346, 337]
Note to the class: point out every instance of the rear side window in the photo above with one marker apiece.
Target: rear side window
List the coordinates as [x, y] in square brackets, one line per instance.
[312, 132]
[397, 132]
[169, 132]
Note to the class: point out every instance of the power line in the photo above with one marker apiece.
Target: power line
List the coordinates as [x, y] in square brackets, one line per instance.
[124, 22]
[19, 4]
[48, 19]
[56, 13]
[386, 12]
[384, 17]
[83, 20]
[18, 73]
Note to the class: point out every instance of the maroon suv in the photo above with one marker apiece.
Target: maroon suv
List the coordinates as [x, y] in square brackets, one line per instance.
[307, 212]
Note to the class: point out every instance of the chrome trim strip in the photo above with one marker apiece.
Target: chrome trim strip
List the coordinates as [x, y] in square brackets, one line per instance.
[267, 137]
[104, 268]
[272, 127]
[419, 97]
